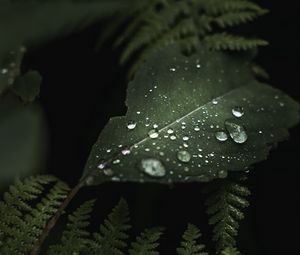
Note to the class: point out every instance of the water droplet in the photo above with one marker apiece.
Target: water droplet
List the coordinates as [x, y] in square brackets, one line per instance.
[281, 104]
[185, 138]
[155, 126]
[222, 174]
[108, 172]
[196, 128]
[238, 111]
[138, 112]
[221, 136]
[101, 166]
[236, 131]
[131, 125]
[153, 133]
[152, 167]
[198, 66]
[173, 137]
[184, 156]
[89, 181]
[126, 152]
[172, 69]
[170, 131]
[215, 101]
[117, 161]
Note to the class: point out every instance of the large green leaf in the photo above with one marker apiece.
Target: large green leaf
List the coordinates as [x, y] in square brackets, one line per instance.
[189, 106]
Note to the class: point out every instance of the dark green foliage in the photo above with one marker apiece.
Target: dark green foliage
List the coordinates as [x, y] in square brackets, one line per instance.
[146, 243]
[27, 87]
[25, 210]
[230, 251]
[112, 236]
[189, 245]
[225, 203]
[194, 98]
[156, 23]
[75, 238]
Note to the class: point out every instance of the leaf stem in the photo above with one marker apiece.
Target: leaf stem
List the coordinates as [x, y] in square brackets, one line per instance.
[52, 222]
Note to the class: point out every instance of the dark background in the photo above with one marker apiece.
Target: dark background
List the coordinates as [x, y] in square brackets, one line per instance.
[83, 88]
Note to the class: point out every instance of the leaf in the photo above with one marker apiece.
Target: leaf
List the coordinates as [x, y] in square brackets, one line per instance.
[177, 108]
[27, 87]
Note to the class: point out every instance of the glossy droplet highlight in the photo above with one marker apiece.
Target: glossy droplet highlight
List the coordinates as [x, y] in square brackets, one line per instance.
[237, 132]
[152, 167]
[184, 156]
[221, 136]
[153, 133]
[238, 111]
[126, 152]
[131, 125]
[170, 131]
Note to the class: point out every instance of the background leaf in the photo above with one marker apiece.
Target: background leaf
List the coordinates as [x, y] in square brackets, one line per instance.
[177, 106]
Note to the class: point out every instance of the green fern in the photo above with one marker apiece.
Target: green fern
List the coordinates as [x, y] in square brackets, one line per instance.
[227, 199]
[156, 23]
[189, 244]
[24, 215]
[112, 236]
[146, 243]
[75, 238]
[230, 251]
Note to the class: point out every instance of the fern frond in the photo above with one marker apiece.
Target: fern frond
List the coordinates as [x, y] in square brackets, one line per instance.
[224, 41]
[225, 204]
[230, 251]
[189, 244]
[24, 218]
[111, 238]
[146, 243]
[75, 238]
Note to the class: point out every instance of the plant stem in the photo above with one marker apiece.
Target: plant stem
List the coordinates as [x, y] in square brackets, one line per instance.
[51, 223]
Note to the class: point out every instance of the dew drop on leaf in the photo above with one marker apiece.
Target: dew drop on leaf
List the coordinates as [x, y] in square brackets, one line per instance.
[152, 167]
[196, 128]
[126, 152]
[4, 71]
[173, 137]
[221, 136]
[117, 161]
[238, 111]
[153, 133]
[101, 166]
[185, 138]
[170, 131]
[131, 125]
[237, 132]
[184, 156]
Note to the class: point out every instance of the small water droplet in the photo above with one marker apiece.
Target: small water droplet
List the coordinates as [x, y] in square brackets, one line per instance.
[281, 104]
[108, 172]
[131, 125]
[185, 138]
[117, 161]
[138, 112]
[155, 126]
[153, 133]
[196, 128]
[126, 152]
[198, 66]
[222, 174]
[173, 137]
[101, 166]
[221, 136]
[170, 131]
[215, 101]
[238, 111]
[237, 132]
[172, 69]
[184, 156]
[152, 167]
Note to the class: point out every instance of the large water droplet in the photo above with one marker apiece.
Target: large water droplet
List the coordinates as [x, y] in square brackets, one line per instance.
[153, 133]
[221, 136]
[238, 111]
[237, 132]
[131, 125]
[184, 156]
[152, 167]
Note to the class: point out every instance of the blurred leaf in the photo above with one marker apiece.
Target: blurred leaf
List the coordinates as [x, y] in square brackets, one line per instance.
[23, 139]
[27, 87]
[191, 119]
